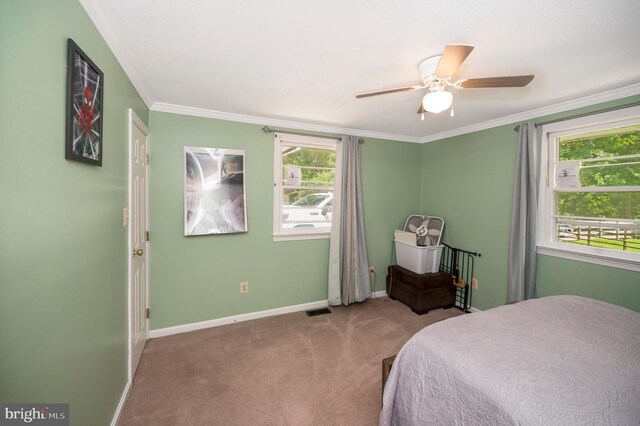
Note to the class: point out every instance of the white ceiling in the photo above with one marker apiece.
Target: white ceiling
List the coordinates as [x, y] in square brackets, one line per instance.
[300, 63]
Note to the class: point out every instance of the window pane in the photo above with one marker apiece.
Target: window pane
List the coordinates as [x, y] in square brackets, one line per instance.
[317, 166]
[599, 233]
[306, 208]
[607, 143]
[615, 173]
[590, 206]
[298, 156]
[304, 182]
[618, 205]
[313, 177]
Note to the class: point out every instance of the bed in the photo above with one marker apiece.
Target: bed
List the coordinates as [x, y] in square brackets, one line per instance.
[560, 360]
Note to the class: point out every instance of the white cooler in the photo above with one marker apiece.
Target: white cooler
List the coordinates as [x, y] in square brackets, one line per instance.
[420, 260]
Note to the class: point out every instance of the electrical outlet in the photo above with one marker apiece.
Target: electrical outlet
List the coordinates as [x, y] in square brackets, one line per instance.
[244, 287]
[371, 270]
[474, 283]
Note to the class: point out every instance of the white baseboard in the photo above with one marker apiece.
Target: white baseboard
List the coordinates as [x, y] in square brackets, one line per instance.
[120, 407]
[184, 328]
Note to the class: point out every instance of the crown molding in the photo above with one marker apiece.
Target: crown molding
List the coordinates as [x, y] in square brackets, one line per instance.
[619, 93]
[110, 35]
[611, 95]
[287, 124]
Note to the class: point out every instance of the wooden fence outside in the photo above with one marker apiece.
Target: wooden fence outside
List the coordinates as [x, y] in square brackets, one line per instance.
[621, 238]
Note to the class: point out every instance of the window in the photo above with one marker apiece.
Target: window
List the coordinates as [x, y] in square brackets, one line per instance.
[303, 186]
[589, 207]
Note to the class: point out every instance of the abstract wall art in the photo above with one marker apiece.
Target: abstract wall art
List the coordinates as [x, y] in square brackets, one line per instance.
[85, 85]
[214, 191]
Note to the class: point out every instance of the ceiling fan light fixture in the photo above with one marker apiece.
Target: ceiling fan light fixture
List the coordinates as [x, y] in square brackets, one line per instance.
[437, 101]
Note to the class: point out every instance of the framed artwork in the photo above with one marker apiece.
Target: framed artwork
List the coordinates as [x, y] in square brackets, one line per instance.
[85, 86]
[214, 191]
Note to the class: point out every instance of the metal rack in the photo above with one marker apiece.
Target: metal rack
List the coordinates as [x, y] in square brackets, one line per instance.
[459, 263]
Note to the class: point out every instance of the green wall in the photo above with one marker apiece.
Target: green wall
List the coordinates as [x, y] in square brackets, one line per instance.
[468, 180]
[197, 278]
[563, 276]
[63, 260]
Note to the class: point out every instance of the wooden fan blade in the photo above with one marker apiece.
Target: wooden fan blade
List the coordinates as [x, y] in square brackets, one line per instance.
[511, 81]
[421, 109]
[453, 56]
[385, 92]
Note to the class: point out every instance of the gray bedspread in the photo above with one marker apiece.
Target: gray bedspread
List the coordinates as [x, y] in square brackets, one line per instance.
[561, 360]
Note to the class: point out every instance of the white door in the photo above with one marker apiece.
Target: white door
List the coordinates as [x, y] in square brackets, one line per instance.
[138, 240]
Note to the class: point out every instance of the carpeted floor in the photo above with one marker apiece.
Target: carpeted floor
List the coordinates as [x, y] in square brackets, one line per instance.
[285, 370]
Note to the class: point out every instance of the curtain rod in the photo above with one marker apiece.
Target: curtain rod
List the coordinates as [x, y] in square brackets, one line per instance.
[586, 114]
[267, 129]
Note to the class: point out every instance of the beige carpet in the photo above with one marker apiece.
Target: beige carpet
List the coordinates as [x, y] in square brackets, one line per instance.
[285, 370]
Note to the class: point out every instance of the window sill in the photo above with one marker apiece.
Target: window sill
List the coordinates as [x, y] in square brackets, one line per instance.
[301, 237]
[598, 259]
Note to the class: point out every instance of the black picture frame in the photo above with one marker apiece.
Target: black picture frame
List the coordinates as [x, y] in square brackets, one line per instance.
[85, 87]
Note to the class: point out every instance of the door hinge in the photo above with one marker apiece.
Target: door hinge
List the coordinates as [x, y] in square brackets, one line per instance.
[147, 235]
[147, 313]
[146, 159]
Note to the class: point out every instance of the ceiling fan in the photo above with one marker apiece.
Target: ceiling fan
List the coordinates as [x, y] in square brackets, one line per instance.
[436, 73]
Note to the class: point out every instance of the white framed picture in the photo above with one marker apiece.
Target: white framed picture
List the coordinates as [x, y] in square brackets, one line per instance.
[214, 191]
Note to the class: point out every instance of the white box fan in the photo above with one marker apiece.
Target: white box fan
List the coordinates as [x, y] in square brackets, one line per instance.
[428, 229]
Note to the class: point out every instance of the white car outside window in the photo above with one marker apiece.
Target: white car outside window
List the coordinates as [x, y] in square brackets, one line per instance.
[313, 210]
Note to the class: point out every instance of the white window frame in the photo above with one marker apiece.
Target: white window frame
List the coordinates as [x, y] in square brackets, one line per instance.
[304, 233]
[546, 243]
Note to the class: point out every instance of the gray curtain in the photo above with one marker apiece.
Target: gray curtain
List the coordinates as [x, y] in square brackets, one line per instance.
[348, 264]
[522, 238]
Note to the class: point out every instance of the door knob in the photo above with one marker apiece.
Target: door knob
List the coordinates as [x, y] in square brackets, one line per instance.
[138, 252]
